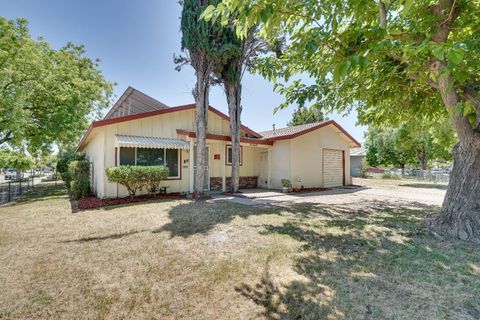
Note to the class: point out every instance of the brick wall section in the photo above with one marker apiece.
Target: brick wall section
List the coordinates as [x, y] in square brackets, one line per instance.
[244, 183]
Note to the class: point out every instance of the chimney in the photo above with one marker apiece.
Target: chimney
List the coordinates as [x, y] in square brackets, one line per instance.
[273, 126]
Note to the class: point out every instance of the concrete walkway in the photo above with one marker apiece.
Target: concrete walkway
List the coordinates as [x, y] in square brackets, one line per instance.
[263, 197]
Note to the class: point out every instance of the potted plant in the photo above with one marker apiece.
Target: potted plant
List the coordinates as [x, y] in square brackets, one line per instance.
[286, 185]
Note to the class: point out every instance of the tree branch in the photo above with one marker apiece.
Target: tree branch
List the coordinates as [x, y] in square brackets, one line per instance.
[446, 20]
[7, 137]
[382, 14]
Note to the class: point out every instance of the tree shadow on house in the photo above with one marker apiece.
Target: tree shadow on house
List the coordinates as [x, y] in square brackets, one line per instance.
[375, 264]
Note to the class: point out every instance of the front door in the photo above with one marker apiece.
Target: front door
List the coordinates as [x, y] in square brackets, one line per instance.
[207, 168]
[263, 177]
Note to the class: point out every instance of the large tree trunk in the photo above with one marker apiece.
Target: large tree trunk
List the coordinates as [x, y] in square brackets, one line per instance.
[460, 214]
[233, 93]
[201, 99]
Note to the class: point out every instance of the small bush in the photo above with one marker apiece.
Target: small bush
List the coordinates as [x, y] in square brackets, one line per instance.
[134, 178]
[63, 164]
[390, 176]
[155, 175]
[364, 169]
[286, 183]
[79, 174]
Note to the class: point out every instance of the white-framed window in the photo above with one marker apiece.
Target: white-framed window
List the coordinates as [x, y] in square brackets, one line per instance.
[152, 157]
[228, 155]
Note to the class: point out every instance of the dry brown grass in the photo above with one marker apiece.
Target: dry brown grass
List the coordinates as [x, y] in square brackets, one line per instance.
[218, 260]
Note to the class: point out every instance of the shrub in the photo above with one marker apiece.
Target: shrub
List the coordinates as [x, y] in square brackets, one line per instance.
[388, 175]
[363, 169]
[79, 175]
[134, 178]
[63, 164]
[286, 183]
[155, 175]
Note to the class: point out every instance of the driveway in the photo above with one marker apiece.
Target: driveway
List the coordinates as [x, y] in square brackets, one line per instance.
[363, 190]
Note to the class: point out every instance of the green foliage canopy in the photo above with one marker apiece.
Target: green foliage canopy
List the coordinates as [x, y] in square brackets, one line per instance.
[15, 159]
[350, 55]
[207, 41]
[409, 144]
[46, 96]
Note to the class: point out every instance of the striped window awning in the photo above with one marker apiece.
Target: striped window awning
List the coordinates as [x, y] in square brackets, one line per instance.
[150, 142]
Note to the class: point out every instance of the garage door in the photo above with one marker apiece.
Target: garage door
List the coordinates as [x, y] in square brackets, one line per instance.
[332, 168]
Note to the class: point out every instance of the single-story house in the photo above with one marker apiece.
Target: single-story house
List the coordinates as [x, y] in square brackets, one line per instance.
[140, 130]
[356, 159]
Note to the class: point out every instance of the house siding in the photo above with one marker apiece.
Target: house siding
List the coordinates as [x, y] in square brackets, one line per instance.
[300, 159]
[101, 149]
[95, 154]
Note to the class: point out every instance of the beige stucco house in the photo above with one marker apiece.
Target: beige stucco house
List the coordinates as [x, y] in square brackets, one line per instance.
[143, 131]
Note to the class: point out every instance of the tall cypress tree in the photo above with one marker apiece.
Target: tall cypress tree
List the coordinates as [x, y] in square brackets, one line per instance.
[198, 41]
[218, 56]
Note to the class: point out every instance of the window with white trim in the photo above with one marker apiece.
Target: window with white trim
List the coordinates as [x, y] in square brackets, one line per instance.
[152, 157]
[228, 153]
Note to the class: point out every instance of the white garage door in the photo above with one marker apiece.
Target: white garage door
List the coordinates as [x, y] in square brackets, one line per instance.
[332, 168]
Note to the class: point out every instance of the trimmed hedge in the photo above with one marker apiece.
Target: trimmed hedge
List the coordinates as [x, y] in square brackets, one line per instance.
[135, 178]
[79, 174]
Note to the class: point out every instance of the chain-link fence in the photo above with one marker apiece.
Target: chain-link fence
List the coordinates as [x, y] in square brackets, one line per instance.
[12, 189]
[437, 176]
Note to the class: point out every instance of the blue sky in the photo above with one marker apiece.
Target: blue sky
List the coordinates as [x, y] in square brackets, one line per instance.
[135, 41]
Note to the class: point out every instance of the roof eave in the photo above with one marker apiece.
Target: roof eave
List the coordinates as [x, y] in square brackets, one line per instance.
[320, 125]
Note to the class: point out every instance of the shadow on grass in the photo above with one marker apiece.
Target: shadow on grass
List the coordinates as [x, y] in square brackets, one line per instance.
[373, 263]
[41, 192]
[201, 216]
[425, 186]
[101, 238]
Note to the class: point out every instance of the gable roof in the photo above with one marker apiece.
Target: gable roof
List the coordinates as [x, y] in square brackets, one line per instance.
[296, 131]
[134, 101]
[140, 103]
[112, 120]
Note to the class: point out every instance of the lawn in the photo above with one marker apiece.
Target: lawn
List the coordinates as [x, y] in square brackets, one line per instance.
[178, 259]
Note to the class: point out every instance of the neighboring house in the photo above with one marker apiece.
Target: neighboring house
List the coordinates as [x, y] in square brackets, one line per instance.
[140, 130]
[356, 158]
